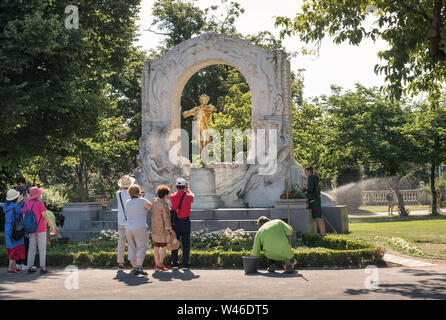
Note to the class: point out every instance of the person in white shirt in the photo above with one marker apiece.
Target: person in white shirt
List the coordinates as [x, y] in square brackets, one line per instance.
[122, 196]
[136, 228]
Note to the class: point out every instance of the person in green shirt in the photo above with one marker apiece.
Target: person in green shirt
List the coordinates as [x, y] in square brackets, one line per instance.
[53, 220]
[313, 193]
[272, 238]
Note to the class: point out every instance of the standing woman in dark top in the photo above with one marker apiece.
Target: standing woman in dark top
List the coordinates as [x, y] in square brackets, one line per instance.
[313, 193]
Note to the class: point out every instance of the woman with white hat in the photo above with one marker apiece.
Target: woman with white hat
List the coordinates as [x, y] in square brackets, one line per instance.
[38, 238]
[122, 196]
[13, 212]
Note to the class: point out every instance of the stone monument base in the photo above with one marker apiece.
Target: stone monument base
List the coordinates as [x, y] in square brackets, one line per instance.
[202, 184]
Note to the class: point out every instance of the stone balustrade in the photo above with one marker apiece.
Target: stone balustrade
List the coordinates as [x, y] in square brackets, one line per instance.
[378, 197]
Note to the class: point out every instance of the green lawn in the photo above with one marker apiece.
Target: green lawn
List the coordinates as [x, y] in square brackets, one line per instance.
[364, 209]
[423, 236]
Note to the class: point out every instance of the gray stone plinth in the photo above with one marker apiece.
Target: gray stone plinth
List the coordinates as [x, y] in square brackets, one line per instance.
[301, 219]
[77, 215]
[202, 184]
[338, 218]
[292, 203]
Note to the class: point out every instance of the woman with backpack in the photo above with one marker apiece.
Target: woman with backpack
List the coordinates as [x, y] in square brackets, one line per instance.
[14, 237]
[35, 221]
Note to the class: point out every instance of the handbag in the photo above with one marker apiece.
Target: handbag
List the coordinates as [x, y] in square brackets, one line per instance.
[173, 244]
[173, 213]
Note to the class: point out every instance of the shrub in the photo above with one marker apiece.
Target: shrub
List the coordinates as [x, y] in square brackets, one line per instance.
[221, 240]
[332, 242]
[54, 199]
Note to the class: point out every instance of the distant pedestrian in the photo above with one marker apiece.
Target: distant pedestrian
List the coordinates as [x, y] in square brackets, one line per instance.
[38, 238]
[14, 247]
[272, 239]
[390, 202]
[313, 194]
[438, 198]
[181, 203]
[122, 196]
[161, 225]
[136, 229]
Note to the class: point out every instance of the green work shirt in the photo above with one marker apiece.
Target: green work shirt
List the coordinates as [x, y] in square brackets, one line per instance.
[272, 237]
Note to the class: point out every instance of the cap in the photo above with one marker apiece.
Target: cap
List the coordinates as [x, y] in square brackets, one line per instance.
[181, 182]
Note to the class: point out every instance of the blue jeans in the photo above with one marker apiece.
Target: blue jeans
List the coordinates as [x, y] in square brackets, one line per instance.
[182, 229]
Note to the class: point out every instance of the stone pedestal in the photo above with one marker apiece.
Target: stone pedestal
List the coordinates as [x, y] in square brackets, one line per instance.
[300, 215]
[202, 185]
[337, 216]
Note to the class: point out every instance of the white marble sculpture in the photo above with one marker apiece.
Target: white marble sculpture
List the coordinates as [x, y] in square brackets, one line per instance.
[268, 76]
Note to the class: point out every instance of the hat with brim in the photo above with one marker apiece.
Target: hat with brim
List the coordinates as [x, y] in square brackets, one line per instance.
[126, 181]
[35, 192]
[12, 195]
[181, 182]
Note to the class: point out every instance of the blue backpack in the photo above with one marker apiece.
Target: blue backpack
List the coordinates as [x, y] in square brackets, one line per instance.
[30, 222]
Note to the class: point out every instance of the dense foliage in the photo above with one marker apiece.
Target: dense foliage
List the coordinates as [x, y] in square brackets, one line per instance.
[71, 98]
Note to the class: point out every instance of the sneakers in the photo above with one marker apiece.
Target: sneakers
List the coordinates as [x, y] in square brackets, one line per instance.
[175, 267]
[44, 271]
[30, 271]
[12, 272]
[186, 268]
[141, 271]
[120, 267]
[137, 271]
[161, 268]
[271, 268]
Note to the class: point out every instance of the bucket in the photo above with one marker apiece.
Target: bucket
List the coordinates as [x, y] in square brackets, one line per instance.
[250, 264]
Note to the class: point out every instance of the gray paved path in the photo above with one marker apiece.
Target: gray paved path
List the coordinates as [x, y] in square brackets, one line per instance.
[411, 213]
[394, 283]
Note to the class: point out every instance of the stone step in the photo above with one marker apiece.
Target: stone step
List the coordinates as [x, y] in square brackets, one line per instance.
[79, 235]
[102, 225]
[108, 215]
[214, 225]
[204, 214]
[230, 214]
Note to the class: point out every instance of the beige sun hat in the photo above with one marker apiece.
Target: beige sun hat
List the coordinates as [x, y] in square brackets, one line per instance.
[126, 181]
[12, 194]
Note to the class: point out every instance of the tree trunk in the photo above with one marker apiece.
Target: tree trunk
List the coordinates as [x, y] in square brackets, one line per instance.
[401, 206]
[434, 195]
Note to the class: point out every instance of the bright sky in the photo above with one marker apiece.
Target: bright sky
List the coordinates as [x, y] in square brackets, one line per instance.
[342, 65]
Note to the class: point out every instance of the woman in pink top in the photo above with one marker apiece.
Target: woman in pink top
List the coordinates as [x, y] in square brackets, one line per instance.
[38, 238]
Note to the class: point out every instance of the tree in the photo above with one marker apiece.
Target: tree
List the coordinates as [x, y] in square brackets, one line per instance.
[427, 133]
[55, 82]
[415, 33]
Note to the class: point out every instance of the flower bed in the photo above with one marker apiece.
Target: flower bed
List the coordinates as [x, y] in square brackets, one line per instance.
[222, 249]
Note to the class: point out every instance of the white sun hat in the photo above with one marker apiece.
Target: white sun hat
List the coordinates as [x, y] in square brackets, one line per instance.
[12, 195]
[126, 181]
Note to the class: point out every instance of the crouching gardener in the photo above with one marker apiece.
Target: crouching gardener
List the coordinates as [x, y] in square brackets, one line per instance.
[272, 237]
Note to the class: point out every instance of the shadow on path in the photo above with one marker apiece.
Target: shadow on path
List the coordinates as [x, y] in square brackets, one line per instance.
[131, 279]
[430, 288]
[281, 275]
[175, 274]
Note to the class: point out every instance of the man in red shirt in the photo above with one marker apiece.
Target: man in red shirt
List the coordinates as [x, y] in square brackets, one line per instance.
[182, 226]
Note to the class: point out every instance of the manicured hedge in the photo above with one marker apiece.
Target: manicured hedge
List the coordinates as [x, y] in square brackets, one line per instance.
[221, 259]
[333, 242]
[323, 251]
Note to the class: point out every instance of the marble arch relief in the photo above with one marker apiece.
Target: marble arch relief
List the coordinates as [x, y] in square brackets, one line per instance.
[268, 76]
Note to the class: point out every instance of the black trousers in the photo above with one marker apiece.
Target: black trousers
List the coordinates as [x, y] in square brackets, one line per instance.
[182, 229]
